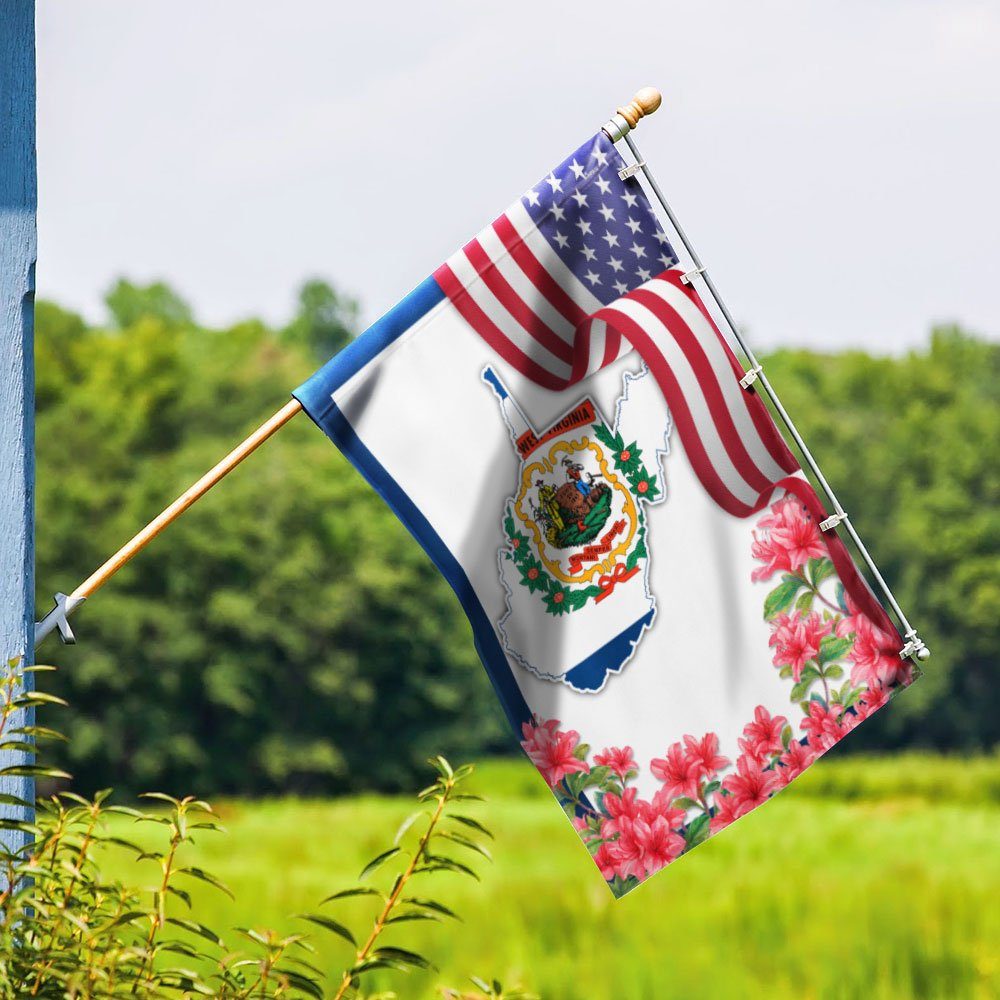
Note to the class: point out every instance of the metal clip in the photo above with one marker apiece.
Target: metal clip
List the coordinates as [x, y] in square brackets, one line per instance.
[914, 647]
[58, 618]
[688, 276]
[832, 521]
[630, 171]
[751, 377]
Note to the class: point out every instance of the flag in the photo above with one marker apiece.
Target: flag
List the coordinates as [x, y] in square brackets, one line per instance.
[556, 418]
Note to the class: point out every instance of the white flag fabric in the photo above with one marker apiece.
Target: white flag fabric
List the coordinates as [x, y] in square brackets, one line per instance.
[558, 421]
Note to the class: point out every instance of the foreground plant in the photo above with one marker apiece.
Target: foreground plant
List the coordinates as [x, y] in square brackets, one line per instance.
[68, 932]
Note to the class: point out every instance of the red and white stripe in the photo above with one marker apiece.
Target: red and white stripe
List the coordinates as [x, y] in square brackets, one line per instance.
[515, 291]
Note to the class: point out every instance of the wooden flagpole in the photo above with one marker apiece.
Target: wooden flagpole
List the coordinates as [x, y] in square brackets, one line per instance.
[645, 102]
[65, 605]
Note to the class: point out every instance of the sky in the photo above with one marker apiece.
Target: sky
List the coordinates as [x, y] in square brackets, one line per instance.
[834, 164]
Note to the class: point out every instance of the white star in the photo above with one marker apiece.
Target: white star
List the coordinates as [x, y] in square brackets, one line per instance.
[616, 264]
[665, 260]
[559, 212]
[620, 287]
[629, 199]
[603, 184]
[660, 236]
[592, 278]
[644, 274]
[580, 199]
[589, 253]
[584, 226]
[554, 183]
[611, 238]
[532, 197]
[638, 250]
[601, 157]
[606, 212]
[633, 225]
[578, 171]
[561, 240]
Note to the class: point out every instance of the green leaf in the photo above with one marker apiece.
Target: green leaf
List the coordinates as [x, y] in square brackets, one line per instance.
[430, 904]
[407, 823]
[195, 928]
[378, 861]
[834, 647]
[333, 926]
[33, 771]
[782, 597]
[471, 823]
[208, 877]
[360, 890]
[403, 956]
[697, 831]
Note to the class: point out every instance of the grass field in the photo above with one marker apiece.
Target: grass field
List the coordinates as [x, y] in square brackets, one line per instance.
[874, 878]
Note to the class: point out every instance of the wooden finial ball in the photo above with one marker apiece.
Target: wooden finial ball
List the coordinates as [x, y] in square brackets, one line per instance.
[645, 102]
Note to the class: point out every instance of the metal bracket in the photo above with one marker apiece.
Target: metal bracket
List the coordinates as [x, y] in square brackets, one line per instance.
[832, 521]
[751, 377]
[914, 647]
[58, 618]
[630, 171]
[688, 276]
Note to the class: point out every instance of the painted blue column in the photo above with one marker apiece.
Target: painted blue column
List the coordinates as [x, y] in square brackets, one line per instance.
[18, 199]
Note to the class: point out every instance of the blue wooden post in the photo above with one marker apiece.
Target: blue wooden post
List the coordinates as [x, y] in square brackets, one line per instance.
[17, 377]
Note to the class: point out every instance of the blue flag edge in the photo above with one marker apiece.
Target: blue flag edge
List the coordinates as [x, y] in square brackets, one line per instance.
[316, 394]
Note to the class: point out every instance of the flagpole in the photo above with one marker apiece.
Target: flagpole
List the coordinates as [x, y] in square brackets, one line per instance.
[644, 103]
[67, 604]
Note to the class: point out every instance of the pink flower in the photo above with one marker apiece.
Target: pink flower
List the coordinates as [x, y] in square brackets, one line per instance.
[822, 726]
[796, 639]
[619, 759]
[871, 701]
[703, 756]
[724, 813]
[790, 540]
[617, 807]
[604, 859]
[750, 786]
[644, 847]
[762, 737]
[551, 750]
[678, 772]
[794, 761]
[875, 656]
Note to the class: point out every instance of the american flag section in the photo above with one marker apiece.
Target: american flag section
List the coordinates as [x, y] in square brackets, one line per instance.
[578, 273]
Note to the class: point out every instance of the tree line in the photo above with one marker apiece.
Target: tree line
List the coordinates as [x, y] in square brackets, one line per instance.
[288, 635]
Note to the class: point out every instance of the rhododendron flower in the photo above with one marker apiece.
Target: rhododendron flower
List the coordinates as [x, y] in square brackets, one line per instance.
[643, 847]
[794, 761]
[791, 539]
[619, 759]
[605, 861]
[678, 772]
[871, 701]
[822, 726]
[875, 656]
[551, 750]
[762, 737]
[724, 814]
[617, 806]
[750, 786]
[703, 756]
[796, 638]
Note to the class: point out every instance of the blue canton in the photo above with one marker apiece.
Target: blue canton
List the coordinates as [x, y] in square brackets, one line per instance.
[602, 227]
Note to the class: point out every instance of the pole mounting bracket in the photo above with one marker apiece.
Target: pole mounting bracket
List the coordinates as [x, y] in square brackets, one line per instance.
[631, 170]
[914, 647]
[688, 276]
[58, 619]
[751, 377]
[833, 520]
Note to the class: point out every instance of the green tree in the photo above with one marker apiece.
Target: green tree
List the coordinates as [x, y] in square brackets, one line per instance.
[129, 303]
[325, 322]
